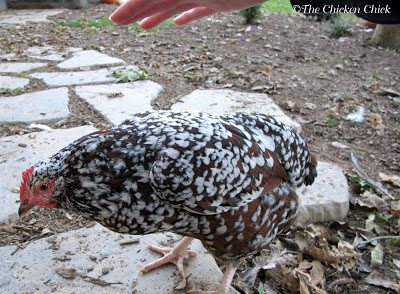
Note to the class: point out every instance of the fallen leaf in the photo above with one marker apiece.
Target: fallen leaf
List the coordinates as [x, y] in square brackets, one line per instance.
[291, 106]
[7, 228]
[395, 208]
[391, 179]
[371, 200]
[377, 256]
[44, 232]
[317, 273]
[66, 272]
[375, 278]
[375, 120]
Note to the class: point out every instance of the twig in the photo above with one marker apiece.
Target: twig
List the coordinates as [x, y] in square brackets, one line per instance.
[129, 242]
[362, 173]
[98, 281]
[361, 244]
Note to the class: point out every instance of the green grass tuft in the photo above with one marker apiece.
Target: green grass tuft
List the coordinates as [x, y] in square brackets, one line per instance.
[105, 22]
[282, 6]
[331, 122]
[339, 26]
[100, 22]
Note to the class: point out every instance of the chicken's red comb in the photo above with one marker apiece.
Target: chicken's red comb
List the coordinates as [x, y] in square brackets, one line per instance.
[22, 189]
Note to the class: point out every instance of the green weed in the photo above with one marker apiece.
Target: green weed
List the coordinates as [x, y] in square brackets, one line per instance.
[331, 122]
[339, 26]
[130, 75]
[11, 92]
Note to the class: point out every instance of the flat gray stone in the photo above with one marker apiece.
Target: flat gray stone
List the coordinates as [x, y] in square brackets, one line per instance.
[327, 199]
[117, 102]
[13, 82]
[32, 270]
[42, 106]
[14, 159]
[57, 79]
[89, 58]
[17, 67]
[21, 17]
[225, 101]
[45, 53]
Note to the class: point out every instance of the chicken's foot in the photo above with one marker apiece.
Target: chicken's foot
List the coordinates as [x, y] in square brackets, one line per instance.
[174, 255]
[225, 284]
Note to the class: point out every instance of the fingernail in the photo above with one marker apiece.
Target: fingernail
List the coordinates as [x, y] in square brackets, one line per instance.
[111, 18]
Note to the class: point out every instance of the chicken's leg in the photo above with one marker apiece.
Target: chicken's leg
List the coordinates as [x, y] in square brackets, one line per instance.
[174, 255]
[225, 284]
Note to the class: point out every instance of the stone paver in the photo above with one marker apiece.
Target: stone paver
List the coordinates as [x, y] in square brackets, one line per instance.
[19, 152]
[57, 79]
[48, 105]
[117, 102]
[32, 270]
[17, 67]
[225, 101]
[44, 53]
[89, 58]
[327, 199]
[21, 17]
[13, 82]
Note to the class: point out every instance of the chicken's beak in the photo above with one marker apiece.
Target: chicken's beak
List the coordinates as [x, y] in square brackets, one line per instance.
[24, 208]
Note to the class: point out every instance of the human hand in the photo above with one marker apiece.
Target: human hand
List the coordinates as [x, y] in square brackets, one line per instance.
[150, 13]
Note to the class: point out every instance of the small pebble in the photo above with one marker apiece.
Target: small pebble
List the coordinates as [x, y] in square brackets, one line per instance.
[105, 270]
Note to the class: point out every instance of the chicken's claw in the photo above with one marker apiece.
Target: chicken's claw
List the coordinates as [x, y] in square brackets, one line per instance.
[174, 255]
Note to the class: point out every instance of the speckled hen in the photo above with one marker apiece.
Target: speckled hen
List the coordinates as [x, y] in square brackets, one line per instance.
[226, 180]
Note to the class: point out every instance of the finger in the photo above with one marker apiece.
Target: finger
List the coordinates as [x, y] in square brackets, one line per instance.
[154, 20]
[192, 15]
[129, 10]
[156, 8]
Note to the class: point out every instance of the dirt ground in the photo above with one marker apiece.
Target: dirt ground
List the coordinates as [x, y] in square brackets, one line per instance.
[316, 79]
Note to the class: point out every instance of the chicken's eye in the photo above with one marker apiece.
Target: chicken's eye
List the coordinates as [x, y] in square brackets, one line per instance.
[43, 187]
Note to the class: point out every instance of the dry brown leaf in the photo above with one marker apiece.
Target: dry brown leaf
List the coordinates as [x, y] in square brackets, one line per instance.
[284, 274]
[375, 121]
[66, 272]
[44, 232]
[377, 256]
[375, 278]
[395, 208]
[317, 273]
[372, 200]
[303, 286]
[394, 180]
[304, 266]
[7, 228]
[306, 285]
[341, 257]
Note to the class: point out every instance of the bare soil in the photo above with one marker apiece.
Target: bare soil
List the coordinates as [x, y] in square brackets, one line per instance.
[316, 79]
